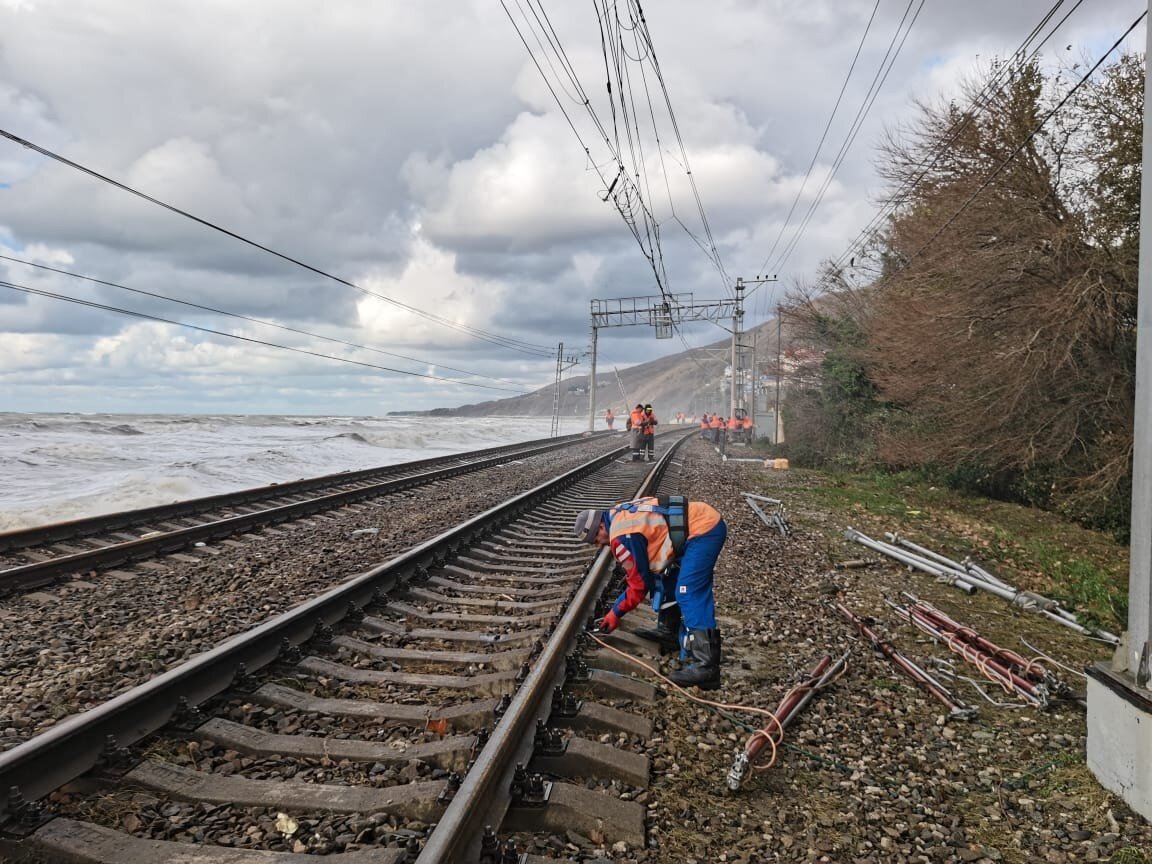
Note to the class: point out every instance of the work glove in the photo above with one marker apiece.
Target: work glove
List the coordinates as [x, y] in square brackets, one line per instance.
[608, 623]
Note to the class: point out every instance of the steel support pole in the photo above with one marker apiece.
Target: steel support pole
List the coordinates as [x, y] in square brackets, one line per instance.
[737, 318]
[556, 392]
[776, 433]
[592, 382]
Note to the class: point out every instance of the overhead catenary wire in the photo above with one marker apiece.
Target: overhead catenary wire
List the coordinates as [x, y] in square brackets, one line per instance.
[628, 187]
[149, 317]
[250, 318]
[878, 80]
[475, 332]
[823, 136]
[1023, 54]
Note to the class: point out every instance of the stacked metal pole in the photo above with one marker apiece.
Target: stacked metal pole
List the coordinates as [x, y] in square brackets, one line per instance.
[1028, 680]
[957, 710]
[970, 577]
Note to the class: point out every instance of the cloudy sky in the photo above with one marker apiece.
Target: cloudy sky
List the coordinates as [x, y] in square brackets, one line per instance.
[413, 152]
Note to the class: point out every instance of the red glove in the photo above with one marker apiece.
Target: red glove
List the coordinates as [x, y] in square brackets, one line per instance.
[609, 622]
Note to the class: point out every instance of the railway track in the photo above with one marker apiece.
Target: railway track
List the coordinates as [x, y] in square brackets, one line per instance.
[39, 556]
[445, 708]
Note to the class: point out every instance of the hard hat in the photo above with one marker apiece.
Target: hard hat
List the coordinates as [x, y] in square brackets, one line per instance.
[587, 525]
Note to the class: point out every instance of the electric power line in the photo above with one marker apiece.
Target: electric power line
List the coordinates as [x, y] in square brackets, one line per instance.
[476, 332]
[1016, 152]
[881, 76]
[820, 144]
[144, 315]
[250, 318]
[904, 191]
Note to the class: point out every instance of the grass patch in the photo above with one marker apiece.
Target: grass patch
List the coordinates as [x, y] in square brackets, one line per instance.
[1032, 549]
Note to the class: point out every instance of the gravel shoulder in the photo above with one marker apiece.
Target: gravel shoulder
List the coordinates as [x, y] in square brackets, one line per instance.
[871, 771]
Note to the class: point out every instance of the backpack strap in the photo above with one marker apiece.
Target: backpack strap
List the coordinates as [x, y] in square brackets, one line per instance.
[675, 510]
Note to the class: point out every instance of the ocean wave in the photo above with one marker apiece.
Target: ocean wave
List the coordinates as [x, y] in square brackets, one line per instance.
[352, 436]
[119, 429]
[66, 454]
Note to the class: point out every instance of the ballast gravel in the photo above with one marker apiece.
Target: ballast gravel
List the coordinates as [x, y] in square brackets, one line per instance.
[68, 649]
[871, 771]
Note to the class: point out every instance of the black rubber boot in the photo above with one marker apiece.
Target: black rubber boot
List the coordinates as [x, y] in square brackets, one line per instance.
[703, 647]
[667, 629]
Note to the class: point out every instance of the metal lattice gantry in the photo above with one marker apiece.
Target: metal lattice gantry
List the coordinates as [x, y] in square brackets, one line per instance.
[662, 313]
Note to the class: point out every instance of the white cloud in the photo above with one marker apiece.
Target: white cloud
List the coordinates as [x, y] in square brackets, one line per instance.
[328, 133]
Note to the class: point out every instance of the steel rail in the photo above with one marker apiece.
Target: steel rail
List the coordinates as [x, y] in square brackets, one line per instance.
[56, 532]
[63, 753]
[45, 572]
[483, 797]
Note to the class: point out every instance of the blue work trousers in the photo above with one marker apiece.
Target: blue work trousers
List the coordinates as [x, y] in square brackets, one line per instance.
[694, 581]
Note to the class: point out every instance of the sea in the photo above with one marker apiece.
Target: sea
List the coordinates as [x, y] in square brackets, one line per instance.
[55, 467]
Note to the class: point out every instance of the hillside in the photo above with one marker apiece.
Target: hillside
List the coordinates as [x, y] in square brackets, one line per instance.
[691, 381]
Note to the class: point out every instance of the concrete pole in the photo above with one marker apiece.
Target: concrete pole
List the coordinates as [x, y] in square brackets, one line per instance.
[592, 382]
[1140, 567]
[1119, 703]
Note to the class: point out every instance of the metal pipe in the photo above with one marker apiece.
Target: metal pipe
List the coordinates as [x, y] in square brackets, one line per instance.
[952, 578]
[761, 497]
[922, 552]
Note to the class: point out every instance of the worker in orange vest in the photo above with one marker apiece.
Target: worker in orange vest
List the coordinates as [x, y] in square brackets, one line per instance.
[704, 425]
[636, 430]
[716, 426]
[667, 548]
[648, 436]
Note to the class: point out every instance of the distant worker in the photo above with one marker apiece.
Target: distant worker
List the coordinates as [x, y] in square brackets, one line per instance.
[610, 419]
[704, 425]
[667, 547]
[635, 430]
[747, 428]
[648, 439]
[716, 426]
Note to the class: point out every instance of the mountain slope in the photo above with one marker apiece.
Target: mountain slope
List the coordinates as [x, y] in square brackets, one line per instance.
[691, 381]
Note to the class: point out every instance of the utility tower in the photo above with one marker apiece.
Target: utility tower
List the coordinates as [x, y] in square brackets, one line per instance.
[738, 364]
[562, 363]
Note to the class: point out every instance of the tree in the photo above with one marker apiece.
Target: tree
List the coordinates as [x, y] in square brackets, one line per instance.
[1003, 325]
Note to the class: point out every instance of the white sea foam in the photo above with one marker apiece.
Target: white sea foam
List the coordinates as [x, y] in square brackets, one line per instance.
[68, 466]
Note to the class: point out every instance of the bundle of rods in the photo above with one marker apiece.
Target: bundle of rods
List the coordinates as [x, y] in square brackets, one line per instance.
[970, 577]
[957, 710]
[1026, 678]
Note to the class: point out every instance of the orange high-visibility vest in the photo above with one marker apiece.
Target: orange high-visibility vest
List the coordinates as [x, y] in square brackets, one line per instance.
[640, 518]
